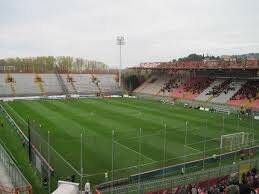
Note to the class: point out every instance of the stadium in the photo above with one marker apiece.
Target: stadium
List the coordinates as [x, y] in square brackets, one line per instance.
[158, 128]
[129, 97]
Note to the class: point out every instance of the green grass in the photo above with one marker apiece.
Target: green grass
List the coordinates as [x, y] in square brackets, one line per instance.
[97, 118]
[9, 139]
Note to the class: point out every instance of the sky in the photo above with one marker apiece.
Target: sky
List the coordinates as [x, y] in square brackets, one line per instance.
[155, 30]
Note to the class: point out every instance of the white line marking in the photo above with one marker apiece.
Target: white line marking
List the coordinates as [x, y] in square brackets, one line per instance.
[17, 114]
[134, 151]
[193, 149]
[56, 152]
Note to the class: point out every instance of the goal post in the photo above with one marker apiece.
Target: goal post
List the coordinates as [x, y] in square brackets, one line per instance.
[234, 141]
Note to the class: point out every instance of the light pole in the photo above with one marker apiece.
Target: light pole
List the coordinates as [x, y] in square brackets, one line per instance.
[120, 42]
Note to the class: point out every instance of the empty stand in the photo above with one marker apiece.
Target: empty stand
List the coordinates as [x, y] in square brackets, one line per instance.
[62, 82]
[29, 84]
[51, 84]
[5, 87]
[69, 81]
[145, 84]
[24, 85]
[96, 81]
[108, 84]
[84, 84]
[154, 85]
[38, 80]
[11, 82]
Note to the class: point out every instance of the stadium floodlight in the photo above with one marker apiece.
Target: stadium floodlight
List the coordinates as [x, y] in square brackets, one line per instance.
[120, 42]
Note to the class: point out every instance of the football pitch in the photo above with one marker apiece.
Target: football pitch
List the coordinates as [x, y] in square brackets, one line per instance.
[127, 136]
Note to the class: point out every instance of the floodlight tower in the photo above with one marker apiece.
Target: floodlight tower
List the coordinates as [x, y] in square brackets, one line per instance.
[120, 42]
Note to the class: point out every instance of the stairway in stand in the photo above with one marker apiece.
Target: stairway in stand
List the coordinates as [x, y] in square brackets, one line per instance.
[96, 81]
[12, 85]
[62, 83]
[71, 86]
[11, 82]
[38, 80]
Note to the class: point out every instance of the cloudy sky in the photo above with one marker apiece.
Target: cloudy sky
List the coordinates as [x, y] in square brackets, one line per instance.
[155, 30]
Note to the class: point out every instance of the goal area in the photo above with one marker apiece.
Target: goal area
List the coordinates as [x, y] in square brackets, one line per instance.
[234, 141]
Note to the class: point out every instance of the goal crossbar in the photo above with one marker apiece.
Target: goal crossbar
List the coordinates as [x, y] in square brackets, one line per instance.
[234, 140]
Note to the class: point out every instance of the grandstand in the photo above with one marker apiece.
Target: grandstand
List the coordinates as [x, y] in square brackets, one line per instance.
[211, 82]
[246, 96]
[81, 112]
[164, 141]
[154, 84]
[28, 84]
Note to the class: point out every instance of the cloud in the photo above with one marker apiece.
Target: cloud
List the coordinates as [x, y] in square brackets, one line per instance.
[154, 30]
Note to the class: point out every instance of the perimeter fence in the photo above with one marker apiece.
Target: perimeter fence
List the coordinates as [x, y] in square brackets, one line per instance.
[130, 156]
[17, 183]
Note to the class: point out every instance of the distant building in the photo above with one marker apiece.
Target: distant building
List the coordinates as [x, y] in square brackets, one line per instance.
[7, 68]
[228, 58]
[251, 58]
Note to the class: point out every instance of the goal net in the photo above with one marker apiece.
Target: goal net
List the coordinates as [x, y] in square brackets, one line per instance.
[234, 141]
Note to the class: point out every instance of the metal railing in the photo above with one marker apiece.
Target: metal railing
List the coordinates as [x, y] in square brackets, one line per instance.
[20, 185]
[176, 181]
[61, 82]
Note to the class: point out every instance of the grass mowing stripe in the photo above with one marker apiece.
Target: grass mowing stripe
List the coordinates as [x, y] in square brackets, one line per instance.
[100, 116]
[182, 114]
[126, 147]
[189, 147]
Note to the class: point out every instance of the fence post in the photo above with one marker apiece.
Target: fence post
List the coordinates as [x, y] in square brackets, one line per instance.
[139, 160]
[49, 173]
[164, 150]
[172, 185]
[29, 138]
[204, 147]
[112, 160]
[184, 150]
[81, 162]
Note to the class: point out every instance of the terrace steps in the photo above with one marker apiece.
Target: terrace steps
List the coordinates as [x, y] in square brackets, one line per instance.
[70, 82]
[224, 97]
[42, 90]
[236, 102]
[191, 93]
[161, 85]
[144, 85]
[248, 103]
[255, 101]
[12, 86]
[40, 83]
[25, 84]
[153, 85]
[96, 81]
[255, 104]
[209, 99]
[73, 86]
[203, 96]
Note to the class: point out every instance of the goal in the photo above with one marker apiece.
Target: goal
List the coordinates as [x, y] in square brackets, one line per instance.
[234, 141]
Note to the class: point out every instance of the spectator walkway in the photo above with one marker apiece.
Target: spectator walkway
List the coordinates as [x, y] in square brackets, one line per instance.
[4, 178]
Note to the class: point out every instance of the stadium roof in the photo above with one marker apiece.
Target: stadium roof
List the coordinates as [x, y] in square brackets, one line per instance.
[210, 64]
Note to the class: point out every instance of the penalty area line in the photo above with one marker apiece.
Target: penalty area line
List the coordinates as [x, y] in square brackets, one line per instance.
[135, 151]
[189, 147]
